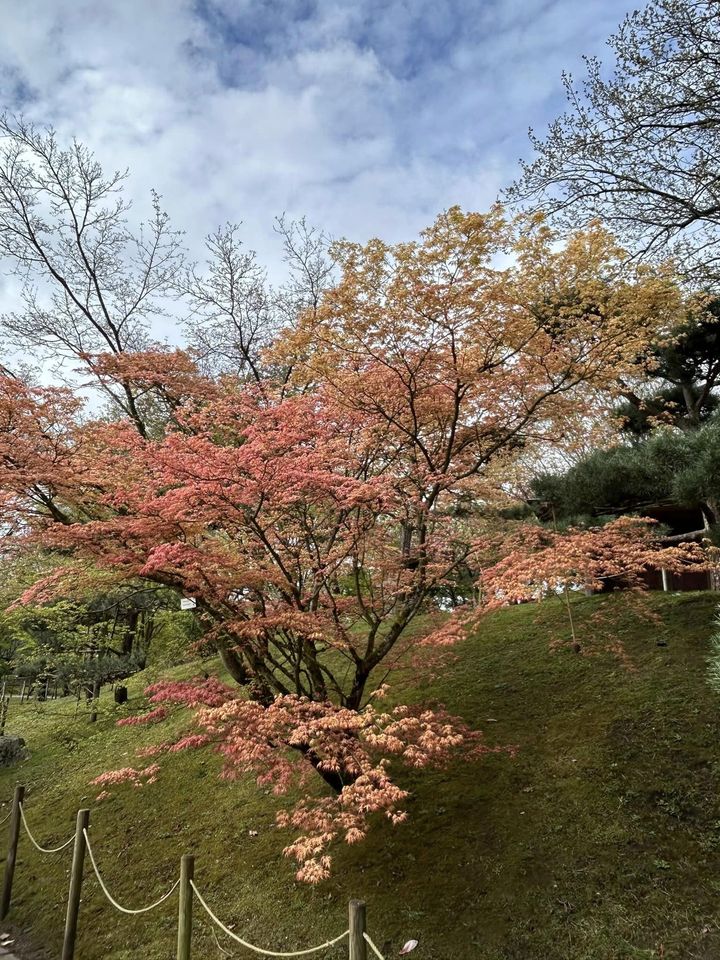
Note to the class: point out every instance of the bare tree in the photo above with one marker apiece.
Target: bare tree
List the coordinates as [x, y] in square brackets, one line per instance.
[234, 312]
[640, 149]
[89, 283]
[92, 285]
[311, 265]
[231, 307]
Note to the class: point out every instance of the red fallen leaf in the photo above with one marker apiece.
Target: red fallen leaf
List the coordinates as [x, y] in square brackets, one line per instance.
[410, 945]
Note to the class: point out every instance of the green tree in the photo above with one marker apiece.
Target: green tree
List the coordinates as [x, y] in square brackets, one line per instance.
[685, 373]
[670, 467]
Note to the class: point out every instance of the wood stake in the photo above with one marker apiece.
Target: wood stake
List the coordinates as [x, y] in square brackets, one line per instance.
[95, 695]
[76, 879]
[358, 946]
[18, 798]
[184, 941]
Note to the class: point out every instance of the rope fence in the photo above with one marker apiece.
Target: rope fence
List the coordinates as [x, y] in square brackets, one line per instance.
[34, 841]
[368, 941]
[260, 950]
[113, 901]
[185, 887]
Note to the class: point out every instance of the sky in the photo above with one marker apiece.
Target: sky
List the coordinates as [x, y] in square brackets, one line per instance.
[366, 116]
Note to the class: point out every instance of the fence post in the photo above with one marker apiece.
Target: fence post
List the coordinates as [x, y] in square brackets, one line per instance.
[94, 700]
[76, 879]
[187, 873]
[18, 798]
[358, 946]
[3, 714]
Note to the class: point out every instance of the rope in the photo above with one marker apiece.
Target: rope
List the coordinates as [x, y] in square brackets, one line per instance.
[34, 841]
[114, 902]
[5, 818]
[372, 946]
[250, 946]
[217, 944]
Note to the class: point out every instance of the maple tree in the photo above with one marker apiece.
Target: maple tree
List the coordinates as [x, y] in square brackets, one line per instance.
[531, 562]
[315, 513]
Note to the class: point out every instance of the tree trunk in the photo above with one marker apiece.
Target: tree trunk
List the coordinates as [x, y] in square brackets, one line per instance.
[130, 633]
[233, 663]
[334, 779]
[353, 700]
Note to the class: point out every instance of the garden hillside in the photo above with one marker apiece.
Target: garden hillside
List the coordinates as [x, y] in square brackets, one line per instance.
[598, 839]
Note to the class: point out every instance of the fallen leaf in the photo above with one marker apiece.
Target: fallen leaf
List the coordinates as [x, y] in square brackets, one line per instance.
[410, 945]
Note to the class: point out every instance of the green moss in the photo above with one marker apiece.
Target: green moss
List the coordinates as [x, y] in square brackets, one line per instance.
[599, 839]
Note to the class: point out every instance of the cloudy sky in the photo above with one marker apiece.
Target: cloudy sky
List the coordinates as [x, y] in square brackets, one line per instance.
[368, 116]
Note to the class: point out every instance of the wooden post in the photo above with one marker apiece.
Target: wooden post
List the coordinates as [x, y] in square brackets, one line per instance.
[22, 692]
[358, 946]
[184, 939]
[76, 879]
[12, 850]
[665, 580]
[95, 695]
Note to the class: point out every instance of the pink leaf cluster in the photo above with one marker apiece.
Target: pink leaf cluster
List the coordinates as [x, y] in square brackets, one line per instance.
[535, 561]
[154, 716]
[125, 775]
[282, 744]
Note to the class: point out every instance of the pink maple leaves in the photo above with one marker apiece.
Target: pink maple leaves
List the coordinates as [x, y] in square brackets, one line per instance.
[535, 561]
[283, 744]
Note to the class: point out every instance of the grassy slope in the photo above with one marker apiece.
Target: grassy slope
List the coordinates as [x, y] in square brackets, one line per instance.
[600, 839]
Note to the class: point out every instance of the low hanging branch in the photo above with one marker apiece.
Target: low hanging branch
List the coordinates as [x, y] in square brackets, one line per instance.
[537, 561]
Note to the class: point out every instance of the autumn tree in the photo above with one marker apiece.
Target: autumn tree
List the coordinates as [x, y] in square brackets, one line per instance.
[314, 516]
[539, 560]
[638, 144]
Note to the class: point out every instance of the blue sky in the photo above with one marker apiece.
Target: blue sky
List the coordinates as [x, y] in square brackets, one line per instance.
[368, 117]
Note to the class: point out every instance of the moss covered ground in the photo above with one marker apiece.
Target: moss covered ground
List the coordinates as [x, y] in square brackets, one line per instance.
[598, 840]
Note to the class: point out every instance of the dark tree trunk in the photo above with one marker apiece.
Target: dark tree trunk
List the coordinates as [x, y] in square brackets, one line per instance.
[130, 634]
[334, 779]
[233, 663]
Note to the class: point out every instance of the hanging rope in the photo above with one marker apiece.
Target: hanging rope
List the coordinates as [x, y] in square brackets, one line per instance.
[250, 946]
[372, 946]
[112, 900]
[222, 950]
[34, 841]
[5, 818]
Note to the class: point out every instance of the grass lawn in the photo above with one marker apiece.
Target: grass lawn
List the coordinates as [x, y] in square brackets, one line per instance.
[598, 840]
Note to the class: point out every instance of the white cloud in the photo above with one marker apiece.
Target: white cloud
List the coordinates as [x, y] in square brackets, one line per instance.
[368, 117]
